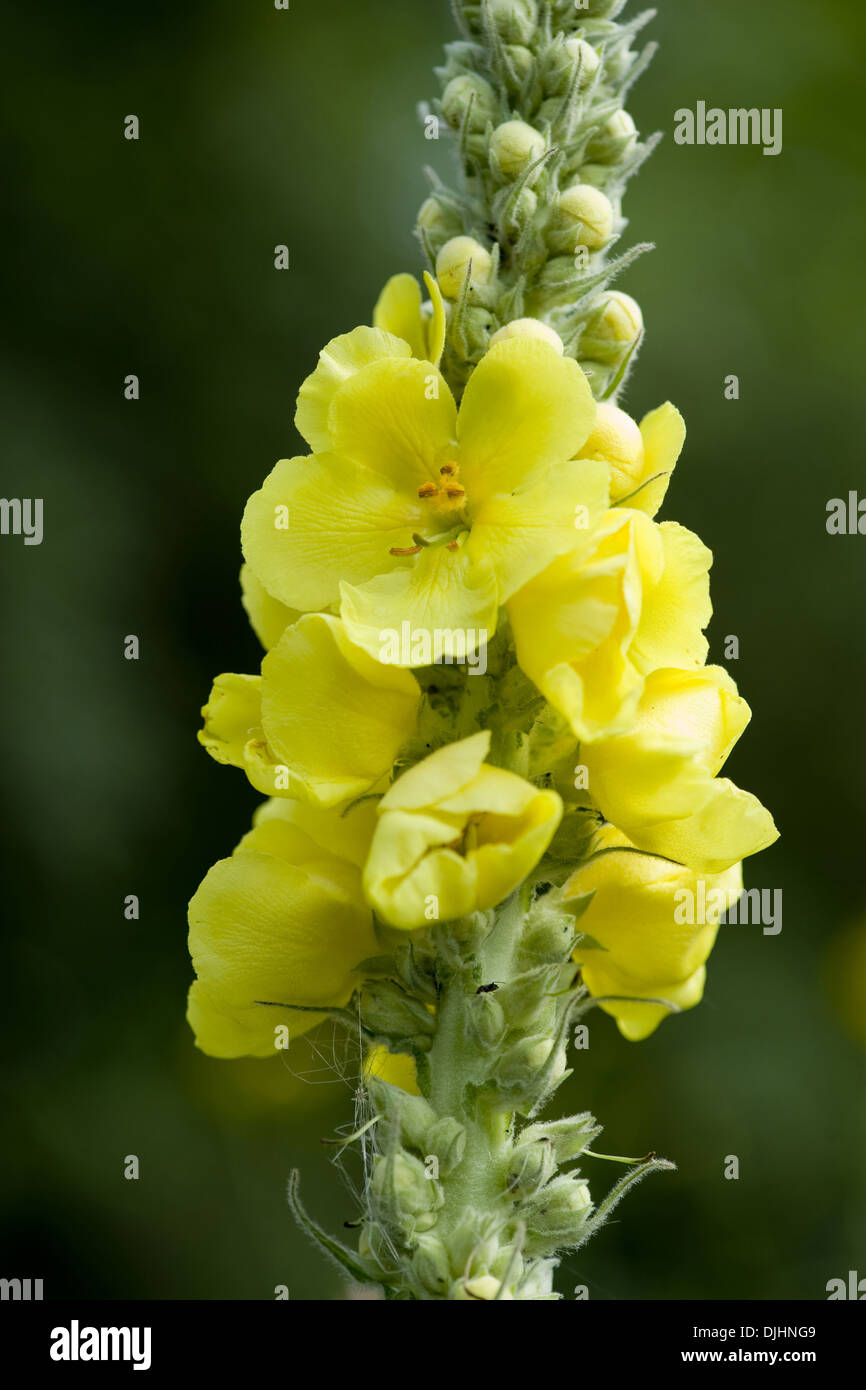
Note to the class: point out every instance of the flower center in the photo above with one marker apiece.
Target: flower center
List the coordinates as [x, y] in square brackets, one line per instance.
[446, 500]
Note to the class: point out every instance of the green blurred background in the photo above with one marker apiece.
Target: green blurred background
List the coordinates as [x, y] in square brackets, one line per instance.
[261, 127]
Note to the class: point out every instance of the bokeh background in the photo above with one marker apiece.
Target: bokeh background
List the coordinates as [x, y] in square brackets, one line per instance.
[261, 127]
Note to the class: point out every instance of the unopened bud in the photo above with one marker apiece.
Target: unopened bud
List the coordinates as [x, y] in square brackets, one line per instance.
[431, 1264]
[471, 99]
[616, 438]
[439, 221]
[515, 145]
[401, 1184]
[557, 1213]
[459, 257]
[487, 1020]
[525, 1060]
[528, 328]
[575, 57]
[447, 1140]
[566, 1138]
[530, 1167]
[615, 328]
[522, 61]
[617, 138]
[389, 1013]
[584, 217]
[514, 20]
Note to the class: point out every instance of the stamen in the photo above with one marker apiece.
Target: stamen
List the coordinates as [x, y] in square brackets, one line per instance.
[406, 550]
[454, 490]
[427, 490]
[448, 469]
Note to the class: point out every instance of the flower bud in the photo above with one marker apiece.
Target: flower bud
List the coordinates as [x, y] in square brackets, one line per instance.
[515, 20]
[617, 139]
[530, 1167]
[549, 934]
[528, 328]
[439, 221]
[518, 213]
[416, 1117]
[401, 1185]
[566, 1138]
[565, 60]
[524, 1060]
[431, 1264]
[615, 327]
[470, 93]
[513, 146]
[373, 1250]
[487, 1020]
[548, 112]
[453, 265]
[447, 1141]
[584, 217]
[471, 1247]
[556, 1214]
[522, 61]
[389, 1013]
[617, 439]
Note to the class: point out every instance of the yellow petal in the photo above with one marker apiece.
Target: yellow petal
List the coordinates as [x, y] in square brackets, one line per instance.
[264, 932]
[677, 608]
[318, 520]
[664, 434]
[554, 510]
[345, 834]
[444, 603]
[437, 325]
[338, 362]
[232, 716]
[398, 418]
[268, 617]
[331, 714]
[728, 826]
[648, 930]
[525, 405]
[441, 775]
[394, 1067]
[398, 311]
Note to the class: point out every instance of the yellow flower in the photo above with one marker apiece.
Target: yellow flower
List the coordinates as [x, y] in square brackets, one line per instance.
[658, 783]
[590, 628]
[455, 836]
[282, 922]
[409, 514]
[649, 930]
[323, 722]
[641, 459]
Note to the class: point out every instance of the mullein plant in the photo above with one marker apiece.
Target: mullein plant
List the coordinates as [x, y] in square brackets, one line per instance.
[485, 727]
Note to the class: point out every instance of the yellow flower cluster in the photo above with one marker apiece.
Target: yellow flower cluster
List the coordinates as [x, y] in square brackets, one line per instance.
[530, 512]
